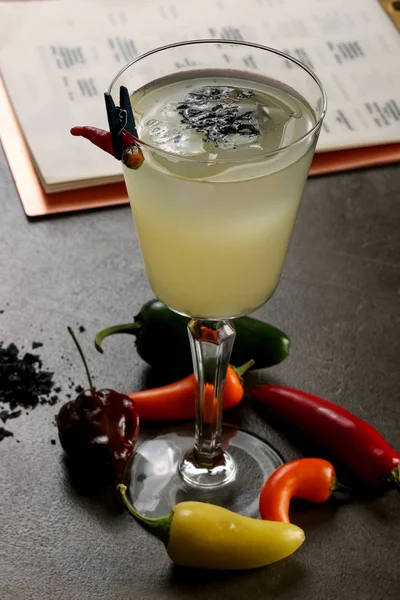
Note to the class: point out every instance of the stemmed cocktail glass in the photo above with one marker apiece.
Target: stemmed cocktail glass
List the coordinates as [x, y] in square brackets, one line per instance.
[228, 132]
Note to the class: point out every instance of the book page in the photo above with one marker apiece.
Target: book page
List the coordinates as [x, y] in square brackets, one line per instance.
[58, 58]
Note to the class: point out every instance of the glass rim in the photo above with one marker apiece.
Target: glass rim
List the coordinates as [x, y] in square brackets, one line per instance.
[254, 158]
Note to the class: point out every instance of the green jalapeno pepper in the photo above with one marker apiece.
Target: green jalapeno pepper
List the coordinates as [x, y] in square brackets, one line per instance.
[162, 340]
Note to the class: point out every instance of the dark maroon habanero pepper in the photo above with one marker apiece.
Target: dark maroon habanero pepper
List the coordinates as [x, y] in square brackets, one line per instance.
[99, 429]
[353, 441]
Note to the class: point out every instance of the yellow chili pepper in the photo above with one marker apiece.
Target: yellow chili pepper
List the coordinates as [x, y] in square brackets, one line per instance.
[206, 536]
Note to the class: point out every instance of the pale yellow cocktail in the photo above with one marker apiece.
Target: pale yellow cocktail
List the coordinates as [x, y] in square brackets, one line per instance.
[215, 207]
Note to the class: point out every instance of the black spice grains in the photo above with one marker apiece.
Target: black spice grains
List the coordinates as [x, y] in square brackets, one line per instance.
[6, 414]
[4, 433]
[23, 384]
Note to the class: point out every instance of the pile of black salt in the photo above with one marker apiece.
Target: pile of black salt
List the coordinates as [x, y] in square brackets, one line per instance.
[23, 384]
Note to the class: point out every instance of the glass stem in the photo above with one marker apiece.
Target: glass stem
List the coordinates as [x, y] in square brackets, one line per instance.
[211, 344]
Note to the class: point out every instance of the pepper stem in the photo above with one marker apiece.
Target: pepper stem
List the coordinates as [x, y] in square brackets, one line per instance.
[132, 328]
[240, 371]
[70, 331]
[394, 478]
[160, 526]
[339, 487]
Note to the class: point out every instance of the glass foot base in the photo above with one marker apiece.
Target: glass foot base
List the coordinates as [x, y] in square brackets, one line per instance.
[219, 474]
[154, 476]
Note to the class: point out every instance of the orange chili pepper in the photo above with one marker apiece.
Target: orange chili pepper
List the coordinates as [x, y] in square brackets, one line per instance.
[176, 401]
[210, 403]
[312, 479]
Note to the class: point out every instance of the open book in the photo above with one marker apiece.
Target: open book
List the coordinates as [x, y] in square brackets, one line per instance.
[57, 59]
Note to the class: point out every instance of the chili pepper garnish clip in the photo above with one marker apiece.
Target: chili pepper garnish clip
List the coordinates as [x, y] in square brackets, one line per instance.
[120, 118]
[122, 139]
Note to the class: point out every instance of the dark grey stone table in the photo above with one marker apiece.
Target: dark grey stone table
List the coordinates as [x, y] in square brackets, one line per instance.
[338, 300]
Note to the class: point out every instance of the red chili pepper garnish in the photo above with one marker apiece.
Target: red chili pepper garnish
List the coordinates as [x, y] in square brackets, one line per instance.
[177, 400]
[98, 137]
[132, 154]
[350, 439]
[101, 138]
[311, 479]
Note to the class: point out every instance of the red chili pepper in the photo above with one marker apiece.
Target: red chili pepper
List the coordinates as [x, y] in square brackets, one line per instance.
[102, 138]
[344, 435]
[176, 401]
[312, 479]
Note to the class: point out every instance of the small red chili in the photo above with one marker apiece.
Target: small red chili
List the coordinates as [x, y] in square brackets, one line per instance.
[350, 439]
[132, 155]
[311, 479]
